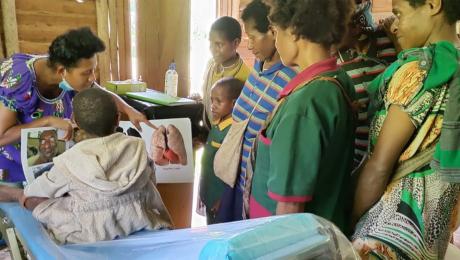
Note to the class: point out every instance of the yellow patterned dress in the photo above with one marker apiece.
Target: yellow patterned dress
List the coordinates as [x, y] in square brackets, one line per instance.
[412, 218]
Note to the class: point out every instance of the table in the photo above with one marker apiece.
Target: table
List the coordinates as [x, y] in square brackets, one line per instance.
[154, 111]
[178, 197]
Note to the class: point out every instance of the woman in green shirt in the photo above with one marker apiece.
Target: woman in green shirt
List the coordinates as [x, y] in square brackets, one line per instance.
[304, 155]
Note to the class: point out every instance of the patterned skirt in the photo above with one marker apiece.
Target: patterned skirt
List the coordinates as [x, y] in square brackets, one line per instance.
[412, 220]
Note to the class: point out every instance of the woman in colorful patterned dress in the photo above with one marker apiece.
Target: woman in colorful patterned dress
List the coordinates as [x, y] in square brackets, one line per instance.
[405, 209]
[37, 91]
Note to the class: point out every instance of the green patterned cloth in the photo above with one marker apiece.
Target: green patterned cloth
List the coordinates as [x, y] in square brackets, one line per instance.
[412, 219]
[447, 155]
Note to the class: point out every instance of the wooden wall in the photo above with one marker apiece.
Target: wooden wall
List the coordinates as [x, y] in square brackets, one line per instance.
[381, 9]
[2, 35]
[163, 35]
[40, 21]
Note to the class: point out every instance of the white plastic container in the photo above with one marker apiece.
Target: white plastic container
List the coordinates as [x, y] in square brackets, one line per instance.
[171, 80]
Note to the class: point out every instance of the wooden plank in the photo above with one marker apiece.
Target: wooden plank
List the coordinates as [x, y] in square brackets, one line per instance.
[52, 19]
[163, 35]
[44, 14]
[88, 7]
[381, 6]
[148, 43]
[34, 47]
[2, 51]
[10, 27]
[123, 37]
[113, 40]
[2, 36]
[175, 37]
[236, 9]
[103, 33]
[178, 199]
[44, 33]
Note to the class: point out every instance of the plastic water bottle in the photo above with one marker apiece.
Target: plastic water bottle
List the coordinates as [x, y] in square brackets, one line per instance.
[171, 80]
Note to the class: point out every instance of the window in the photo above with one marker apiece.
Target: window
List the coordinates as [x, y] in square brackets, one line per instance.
[203, 14]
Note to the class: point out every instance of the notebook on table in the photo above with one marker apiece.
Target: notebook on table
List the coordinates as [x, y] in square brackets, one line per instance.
[156, 97]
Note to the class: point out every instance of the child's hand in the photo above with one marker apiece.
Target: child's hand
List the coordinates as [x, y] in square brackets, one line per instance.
[137, 118]
[31, 203]
[215, 208]
[200, 207]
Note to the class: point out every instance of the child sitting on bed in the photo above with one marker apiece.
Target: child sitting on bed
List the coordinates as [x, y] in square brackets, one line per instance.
[223, 96]
[103, 187]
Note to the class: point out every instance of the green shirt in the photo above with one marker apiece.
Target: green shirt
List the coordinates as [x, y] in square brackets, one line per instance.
[211, 187]
[305, 155]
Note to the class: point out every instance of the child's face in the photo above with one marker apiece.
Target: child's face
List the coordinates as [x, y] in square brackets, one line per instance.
[222, 49]
[221, 105]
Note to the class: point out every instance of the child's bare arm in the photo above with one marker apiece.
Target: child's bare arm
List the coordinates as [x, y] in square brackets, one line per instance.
[13, 194]
[31, 202]
[10, 194]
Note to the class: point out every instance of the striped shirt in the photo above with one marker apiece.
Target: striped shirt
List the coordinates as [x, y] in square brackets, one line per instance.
[363, 68]
[268, 84]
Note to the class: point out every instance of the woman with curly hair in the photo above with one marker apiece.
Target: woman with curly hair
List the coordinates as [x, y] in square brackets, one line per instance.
[304, 154]
[405, 201]
[37, 91]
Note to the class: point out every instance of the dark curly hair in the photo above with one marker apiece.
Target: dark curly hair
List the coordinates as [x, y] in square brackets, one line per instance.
[320, 21]
[68, 48]
[228, 26]
[95, 111]
[232, 86]
[257, 11]
[450, 8]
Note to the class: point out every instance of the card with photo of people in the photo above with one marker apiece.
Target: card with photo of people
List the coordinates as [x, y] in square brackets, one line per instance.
[38, 148]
